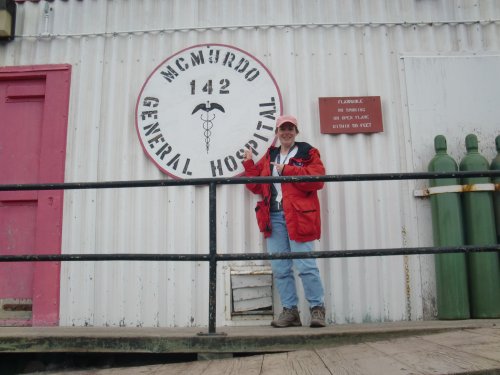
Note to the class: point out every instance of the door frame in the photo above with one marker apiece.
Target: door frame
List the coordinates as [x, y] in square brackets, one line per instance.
[48, 236]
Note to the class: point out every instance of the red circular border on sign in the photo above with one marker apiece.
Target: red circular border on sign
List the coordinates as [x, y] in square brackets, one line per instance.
[170, 58]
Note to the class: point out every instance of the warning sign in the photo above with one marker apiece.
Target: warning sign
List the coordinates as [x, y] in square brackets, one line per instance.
[352, 114]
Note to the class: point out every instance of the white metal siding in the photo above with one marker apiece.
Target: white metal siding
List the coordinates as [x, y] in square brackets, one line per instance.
[314, 49]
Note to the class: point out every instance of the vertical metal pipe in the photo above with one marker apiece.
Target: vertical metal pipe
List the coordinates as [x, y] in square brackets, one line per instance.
[212, 307]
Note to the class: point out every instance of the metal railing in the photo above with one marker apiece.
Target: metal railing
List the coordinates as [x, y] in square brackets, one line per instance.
[213, 257]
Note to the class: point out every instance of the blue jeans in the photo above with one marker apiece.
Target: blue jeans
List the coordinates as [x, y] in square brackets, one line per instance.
[279, 242]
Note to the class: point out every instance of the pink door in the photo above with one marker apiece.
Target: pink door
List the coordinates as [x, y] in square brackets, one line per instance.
[33, 122]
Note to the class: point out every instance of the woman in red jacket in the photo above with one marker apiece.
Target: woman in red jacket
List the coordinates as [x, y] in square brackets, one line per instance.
[289, 217]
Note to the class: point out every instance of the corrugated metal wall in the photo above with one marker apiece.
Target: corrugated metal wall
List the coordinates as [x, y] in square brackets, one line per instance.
[314, 49]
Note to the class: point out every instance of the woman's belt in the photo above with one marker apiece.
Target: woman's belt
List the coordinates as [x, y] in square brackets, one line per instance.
[276, 206]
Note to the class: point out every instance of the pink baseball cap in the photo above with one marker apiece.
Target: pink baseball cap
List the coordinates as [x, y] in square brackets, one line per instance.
[286, 119]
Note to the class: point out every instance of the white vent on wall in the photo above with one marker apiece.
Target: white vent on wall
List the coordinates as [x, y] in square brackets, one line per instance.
[251, 291]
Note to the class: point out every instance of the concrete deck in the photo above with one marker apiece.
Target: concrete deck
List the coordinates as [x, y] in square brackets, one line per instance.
[432, 347]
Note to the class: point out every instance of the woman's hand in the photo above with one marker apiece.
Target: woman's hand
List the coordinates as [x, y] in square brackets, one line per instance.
[247, 154]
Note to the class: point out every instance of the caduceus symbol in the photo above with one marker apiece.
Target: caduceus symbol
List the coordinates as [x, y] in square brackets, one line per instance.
[207, 118]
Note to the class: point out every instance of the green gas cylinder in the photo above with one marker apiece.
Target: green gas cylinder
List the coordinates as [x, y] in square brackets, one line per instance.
[447, 228]
[484, 272]
[495, 165]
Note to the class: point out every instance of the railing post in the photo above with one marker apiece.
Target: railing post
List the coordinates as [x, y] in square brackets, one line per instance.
[212, 298]
[212, 273]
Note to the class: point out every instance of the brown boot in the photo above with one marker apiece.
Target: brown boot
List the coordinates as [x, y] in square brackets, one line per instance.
[288, 318]
[318, 317]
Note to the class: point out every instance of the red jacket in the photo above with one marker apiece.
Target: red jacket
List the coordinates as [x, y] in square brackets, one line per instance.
[300, 199]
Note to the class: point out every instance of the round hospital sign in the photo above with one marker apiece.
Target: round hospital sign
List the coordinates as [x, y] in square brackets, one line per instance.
[200, 108]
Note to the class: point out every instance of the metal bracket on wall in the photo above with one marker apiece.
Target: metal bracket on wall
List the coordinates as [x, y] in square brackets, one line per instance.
[424, 193]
